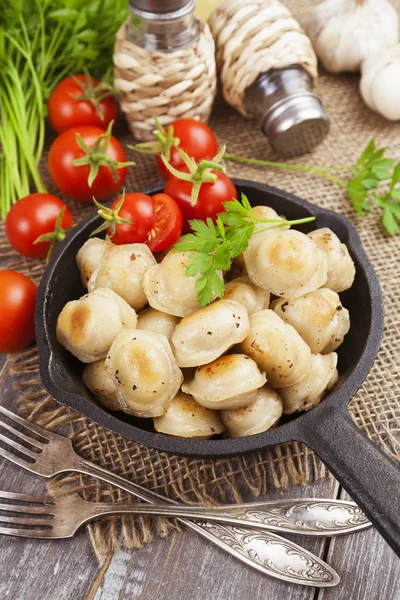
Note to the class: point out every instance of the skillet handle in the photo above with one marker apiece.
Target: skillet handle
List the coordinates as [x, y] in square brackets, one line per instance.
[370, 477]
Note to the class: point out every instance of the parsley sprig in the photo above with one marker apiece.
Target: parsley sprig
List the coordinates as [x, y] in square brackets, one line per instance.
[371, 170]
[212, 246]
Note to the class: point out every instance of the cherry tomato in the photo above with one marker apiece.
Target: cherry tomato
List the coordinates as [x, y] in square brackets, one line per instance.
[17, 309]
[71, 179]
[209, 202]
[168, 223]
[139, 209]
[66, 110]
[31, 217]
[196, 139]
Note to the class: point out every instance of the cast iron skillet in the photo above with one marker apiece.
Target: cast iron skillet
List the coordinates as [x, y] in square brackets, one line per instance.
[366, 472]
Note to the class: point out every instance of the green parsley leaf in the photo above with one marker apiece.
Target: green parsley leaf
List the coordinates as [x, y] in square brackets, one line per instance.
[389, 221]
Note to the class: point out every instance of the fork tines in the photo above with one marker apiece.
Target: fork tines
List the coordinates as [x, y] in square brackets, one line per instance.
[37, 525]
[20, 447]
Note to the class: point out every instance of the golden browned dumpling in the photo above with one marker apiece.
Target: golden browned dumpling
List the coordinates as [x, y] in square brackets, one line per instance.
[319, 317]
[87, 327]
[341, 269]
[277, 348]
[262, 414]
[306, 394]
[242, 290]
[154, 320]
[228, 382]
[204, 335]
[187, 419]
[89, 257]
[286, 263]
[145, 372]
[122, 269]
[95, 376]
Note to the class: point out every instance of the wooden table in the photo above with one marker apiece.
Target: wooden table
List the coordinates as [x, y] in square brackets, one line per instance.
[182, 566]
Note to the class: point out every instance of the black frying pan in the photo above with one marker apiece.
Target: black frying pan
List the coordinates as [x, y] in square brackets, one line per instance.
[370, 477]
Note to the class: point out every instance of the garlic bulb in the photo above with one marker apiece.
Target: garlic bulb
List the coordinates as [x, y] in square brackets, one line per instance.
[344, 32]
[380, 82]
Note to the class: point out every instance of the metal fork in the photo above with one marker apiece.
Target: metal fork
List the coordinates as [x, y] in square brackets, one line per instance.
[47, 454]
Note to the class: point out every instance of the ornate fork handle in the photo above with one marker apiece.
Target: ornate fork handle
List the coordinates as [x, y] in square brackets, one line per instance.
[264, 551]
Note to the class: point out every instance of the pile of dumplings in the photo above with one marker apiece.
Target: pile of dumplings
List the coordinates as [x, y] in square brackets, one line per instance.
[266, 348]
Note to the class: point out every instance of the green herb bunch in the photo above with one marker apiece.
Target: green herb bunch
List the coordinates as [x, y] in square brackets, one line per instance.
[41, 42]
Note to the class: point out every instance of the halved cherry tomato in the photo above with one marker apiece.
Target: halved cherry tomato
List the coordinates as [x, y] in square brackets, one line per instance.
[210, 199]
[196, 139]
[167, 225]
[17, 310]
[81, 100]
[139, 209]
[31, 217]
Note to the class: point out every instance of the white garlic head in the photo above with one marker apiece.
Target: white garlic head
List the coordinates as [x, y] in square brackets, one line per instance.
[169, 289]
[207, 333]
[89, 257]
[87, 327]
[122, 269]
[230, 381]
[319, 317]
[341, 269]
[187, 419]
[154, 320]
[244, 291]
[286, 263]
[95, 376]
[380, 82]
[344, 32]
[307, 393]
[277, 348]
[262, 414]
[145, 372]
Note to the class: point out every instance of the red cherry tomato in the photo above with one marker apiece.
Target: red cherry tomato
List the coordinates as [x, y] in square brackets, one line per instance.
[209, 202]
[168, 223]
[17, 310]
[196, 139]
[139, 209]
[72, 180]
[31, 217]
[66, 110]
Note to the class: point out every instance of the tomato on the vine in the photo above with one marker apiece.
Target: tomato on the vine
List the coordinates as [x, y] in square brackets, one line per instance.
[81, 100]
[167, 225]
[33, 216]
[88, 161]
[17, 309]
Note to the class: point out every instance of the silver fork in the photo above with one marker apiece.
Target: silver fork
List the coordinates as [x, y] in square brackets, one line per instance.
[46, 453]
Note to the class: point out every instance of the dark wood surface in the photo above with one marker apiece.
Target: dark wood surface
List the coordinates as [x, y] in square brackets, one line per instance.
[182, 566]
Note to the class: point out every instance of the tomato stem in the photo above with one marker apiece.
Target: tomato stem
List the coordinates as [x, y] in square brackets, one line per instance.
[110, 217]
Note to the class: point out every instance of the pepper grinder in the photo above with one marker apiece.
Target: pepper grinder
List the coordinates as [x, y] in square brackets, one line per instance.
[164, 65]
[268, 71]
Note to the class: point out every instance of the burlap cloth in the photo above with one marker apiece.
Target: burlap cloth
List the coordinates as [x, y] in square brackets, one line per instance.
[376, 407]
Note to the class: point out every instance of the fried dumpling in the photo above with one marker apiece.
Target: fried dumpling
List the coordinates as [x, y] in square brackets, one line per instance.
[145, 372]
[242, 290]
[341, 269]
[95, 376]
[306, 394]
[204, 335]
[154, 320]
[286, 263]
[277, 348]
[187, 419]
[319, 317]
[169, 289]
[87, 327]
[122, 269]
[230, 381]
[89, 257]
[262, 414]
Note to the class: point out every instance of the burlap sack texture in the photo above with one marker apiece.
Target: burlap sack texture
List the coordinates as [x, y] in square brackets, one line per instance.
[376, 407]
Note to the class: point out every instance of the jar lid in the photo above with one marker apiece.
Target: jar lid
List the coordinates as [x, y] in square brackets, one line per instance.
[161, 10]
[296, 124]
